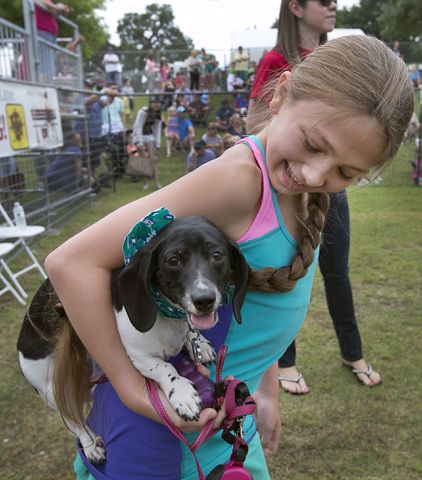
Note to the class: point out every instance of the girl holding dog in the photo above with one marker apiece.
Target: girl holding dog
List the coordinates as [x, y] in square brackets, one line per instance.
[340, 114]
[303, 25]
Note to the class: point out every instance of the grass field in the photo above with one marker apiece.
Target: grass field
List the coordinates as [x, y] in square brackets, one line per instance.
[341, 430]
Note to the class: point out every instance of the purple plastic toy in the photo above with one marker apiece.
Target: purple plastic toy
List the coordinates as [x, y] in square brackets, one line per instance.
[203, 385]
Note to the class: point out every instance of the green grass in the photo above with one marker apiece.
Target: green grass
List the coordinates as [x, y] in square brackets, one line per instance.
[341, 430]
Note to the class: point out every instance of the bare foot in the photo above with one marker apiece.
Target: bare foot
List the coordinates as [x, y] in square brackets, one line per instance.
[364, 372]
[292, 381]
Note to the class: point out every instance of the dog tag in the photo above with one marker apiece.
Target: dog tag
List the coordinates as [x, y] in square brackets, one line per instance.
[192, 337]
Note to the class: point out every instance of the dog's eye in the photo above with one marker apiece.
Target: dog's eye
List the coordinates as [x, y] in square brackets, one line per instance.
[218, 256]
[173, 262]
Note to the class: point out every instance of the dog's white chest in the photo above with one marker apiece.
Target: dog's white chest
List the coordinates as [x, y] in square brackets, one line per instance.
[164, 340]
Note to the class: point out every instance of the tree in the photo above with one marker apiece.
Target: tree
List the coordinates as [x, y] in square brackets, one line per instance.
[83, 13]
[388, 20]
[149, 32]
[402, 20]
[366, 16]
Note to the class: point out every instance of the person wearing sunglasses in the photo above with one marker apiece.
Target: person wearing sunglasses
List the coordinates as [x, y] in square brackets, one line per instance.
[302, 26]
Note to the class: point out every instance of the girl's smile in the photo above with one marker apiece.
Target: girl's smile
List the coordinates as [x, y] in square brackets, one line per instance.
[288, 179]
[311, 148]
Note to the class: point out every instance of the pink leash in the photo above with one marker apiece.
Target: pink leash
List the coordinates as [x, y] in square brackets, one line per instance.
[225, 393]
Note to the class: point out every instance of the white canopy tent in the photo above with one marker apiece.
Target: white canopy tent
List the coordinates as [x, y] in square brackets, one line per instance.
[255, 41]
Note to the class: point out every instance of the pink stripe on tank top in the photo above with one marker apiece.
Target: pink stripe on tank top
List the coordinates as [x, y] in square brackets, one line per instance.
[266, 219]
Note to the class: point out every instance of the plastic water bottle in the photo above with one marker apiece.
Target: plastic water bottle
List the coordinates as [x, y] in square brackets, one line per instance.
[19, 215]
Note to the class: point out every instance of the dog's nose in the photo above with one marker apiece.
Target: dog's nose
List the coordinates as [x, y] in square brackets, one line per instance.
[204, 302]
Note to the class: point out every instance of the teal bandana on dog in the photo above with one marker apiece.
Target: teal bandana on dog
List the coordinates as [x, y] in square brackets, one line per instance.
[144, 231]
[140, 234]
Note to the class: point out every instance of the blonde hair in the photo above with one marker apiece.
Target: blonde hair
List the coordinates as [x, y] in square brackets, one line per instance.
[359, 76]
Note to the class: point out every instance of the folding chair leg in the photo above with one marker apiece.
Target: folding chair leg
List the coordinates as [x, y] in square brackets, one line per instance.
[34, 260]
[13, 278]
[9, 288]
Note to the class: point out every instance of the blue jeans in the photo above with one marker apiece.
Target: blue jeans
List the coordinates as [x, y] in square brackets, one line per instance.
[47, 57]
[112, 77]
[333, 264]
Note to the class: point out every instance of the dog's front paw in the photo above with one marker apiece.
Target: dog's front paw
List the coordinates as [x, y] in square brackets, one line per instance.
[185, 399]
[207, 352]
[95, 451]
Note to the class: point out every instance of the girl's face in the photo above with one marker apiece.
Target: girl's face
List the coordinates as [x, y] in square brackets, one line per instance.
[311, 147]
[317, 17]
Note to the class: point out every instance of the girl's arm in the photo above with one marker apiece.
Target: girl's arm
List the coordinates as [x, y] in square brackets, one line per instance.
[225, 192]
[268, 411]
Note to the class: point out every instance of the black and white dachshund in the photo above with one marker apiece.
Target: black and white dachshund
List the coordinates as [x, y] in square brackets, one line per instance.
[190, 263]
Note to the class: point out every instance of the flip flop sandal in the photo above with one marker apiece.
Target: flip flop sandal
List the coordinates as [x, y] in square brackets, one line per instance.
[367, 372]
[292, 380]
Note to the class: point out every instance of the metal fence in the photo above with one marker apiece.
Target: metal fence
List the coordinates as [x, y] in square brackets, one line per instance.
[27, 57]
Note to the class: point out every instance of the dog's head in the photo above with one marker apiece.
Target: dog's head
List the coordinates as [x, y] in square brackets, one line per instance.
[190, 262]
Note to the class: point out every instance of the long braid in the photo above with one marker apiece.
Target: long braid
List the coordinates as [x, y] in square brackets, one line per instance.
[284, 279]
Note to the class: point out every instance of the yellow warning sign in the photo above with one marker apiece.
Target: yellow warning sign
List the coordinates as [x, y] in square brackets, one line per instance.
[18, 135]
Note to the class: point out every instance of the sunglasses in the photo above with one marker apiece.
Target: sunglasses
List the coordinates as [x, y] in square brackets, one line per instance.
[327, 3]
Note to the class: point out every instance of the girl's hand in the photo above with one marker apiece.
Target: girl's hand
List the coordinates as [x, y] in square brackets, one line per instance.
[191, 426]
[205, 415]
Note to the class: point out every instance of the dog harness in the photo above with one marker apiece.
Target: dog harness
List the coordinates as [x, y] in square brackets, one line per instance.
[141, 449]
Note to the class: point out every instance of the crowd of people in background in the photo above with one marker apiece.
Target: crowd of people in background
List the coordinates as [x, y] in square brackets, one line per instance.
[178, 110]
[200, 71]
[179, 107]
[182, 105]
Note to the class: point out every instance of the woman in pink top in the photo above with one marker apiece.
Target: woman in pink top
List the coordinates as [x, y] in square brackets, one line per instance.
[45, 18]
[47, 29]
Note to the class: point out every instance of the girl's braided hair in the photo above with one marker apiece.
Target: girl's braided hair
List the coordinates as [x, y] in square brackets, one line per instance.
[359, 76]
[284, 279]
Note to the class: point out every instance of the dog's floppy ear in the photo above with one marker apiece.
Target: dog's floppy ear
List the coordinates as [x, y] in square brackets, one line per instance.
[133, 284]
[241, 279]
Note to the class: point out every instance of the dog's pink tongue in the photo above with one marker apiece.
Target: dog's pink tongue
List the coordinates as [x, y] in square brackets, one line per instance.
[202, 321]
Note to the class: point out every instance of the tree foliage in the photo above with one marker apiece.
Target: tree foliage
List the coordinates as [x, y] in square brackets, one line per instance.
[12, 11]
[366, 16]
[151, 32]
[388, 20]
[402, 20]
[83, 13]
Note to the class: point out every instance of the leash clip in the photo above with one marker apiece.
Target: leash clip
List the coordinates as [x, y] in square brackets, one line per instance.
[240, 432]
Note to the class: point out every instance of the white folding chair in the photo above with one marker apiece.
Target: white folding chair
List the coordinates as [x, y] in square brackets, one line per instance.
[20, 234]
[18, 292]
